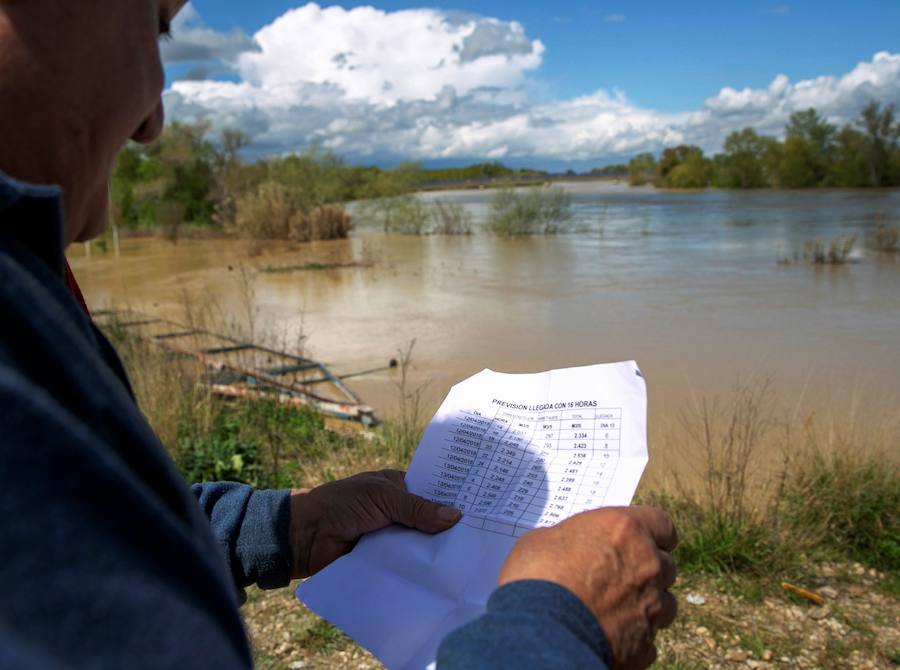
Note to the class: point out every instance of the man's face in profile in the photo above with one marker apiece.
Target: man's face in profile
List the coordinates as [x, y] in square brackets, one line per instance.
[91, 78]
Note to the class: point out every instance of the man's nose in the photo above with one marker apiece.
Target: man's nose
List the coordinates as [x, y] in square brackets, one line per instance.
[152, 126]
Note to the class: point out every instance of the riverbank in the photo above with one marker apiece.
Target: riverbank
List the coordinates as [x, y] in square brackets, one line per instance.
[822, 517]
[687, 284]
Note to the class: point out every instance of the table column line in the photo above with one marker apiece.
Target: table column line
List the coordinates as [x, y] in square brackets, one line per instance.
[479, 485]
[547, 466]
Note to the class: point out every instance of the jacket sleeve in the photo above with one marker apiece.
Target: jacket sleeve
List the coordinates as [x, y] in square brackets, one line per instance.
[528, 624]
[253, 531]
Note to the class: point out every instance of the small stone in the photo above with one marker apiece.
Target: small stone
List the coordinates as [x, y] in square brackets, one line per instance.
[702, 630]
[819, 613]
[828, 592]
[757, 665]
[767, 655]
[736, 655]
[856, 591]
[695, 599]
[711, 643]
[297, 665]
[827, 571]
[859, 569]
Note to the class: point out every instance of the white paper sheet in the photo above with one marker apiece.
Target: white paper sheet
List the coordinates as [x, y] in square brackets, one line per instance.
[513, 452]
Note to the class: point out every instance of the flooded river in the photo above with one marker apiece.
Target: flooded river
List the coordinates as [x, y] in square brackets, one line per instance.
[687, 284]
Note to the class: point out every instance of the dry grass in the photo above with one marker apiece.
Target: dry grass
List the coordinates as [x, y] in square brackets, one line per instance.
[275, 211]
[755, 491]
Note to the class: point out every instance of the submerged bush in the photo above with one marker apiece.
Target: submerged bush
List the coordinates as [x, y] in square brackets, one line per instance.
[275, 211]
[402, 214]
[887, 238]
[326, 222]
[534, 211]
[834, 252]
[410, 215]
[450, 218]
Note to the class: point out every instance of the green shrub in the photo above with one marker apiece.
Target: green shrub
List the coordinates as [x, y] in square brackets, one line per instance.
[533, 211]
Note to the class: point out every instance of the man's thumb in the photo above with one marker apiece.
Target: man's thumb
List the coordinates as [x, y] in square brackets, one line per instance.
[425, 515]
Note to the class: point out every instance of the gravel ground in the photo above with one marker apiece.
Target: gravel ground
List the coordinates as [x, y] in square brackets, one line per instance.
[723, 623]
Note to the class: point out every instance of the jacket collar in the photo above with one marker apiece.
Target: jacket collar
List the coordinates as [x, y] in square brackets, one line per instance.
[32, 214]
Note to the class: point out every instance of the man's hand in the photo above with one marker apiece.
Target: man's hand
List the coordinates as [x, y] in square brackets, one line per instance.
[327, 521]
[618, 561]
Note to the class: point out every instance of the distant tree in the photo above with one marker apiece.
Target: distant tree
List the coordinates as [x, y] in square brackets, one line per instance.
[882, 135]
[675, 156]
[819, 135]
[850, 168]
[187, 160]
[796, 167]
[743, 164]
[684, 166]
[641, 169]
[232, 142]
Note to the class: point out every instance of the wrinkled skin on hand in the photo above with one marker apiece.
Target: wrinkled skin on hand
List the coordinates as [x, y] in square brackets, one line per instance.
[327, 521]
[618, 562]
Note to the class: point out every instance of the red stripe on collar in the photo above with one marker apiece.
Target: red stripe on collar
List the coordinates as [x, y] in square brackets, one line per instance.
[75, 290]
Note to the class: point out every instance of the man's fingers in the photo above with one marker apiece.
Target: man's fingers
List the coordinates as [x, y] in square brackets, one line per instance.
[397, 477]
[669, 610]
[669, 571]
[659, 525]
[415, 512]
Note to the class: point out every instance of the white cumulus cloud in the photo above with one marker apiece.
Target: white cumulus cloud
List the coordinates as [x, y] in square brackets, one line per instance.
[384, 57]
[431, 84]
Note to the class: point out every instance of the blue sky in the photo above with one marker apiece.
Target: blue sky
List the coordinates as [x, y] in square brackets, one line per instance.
[666, 58]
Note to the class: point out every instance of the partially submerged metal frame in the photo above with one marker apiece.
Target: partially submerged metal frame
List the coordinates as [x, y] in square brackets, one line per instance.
[252, 382]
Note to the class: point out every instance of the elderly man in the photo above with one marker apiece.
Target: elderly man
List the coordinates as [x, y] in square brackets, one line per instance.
[108, 559]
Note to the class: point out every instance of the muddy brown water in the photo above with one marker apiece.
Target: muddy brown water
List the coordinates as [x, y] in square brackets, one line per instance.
[687, 284]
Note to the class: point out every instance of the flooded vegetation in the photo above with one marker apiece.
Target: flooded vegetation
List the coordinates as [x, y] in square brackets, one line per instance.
[686, 283]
